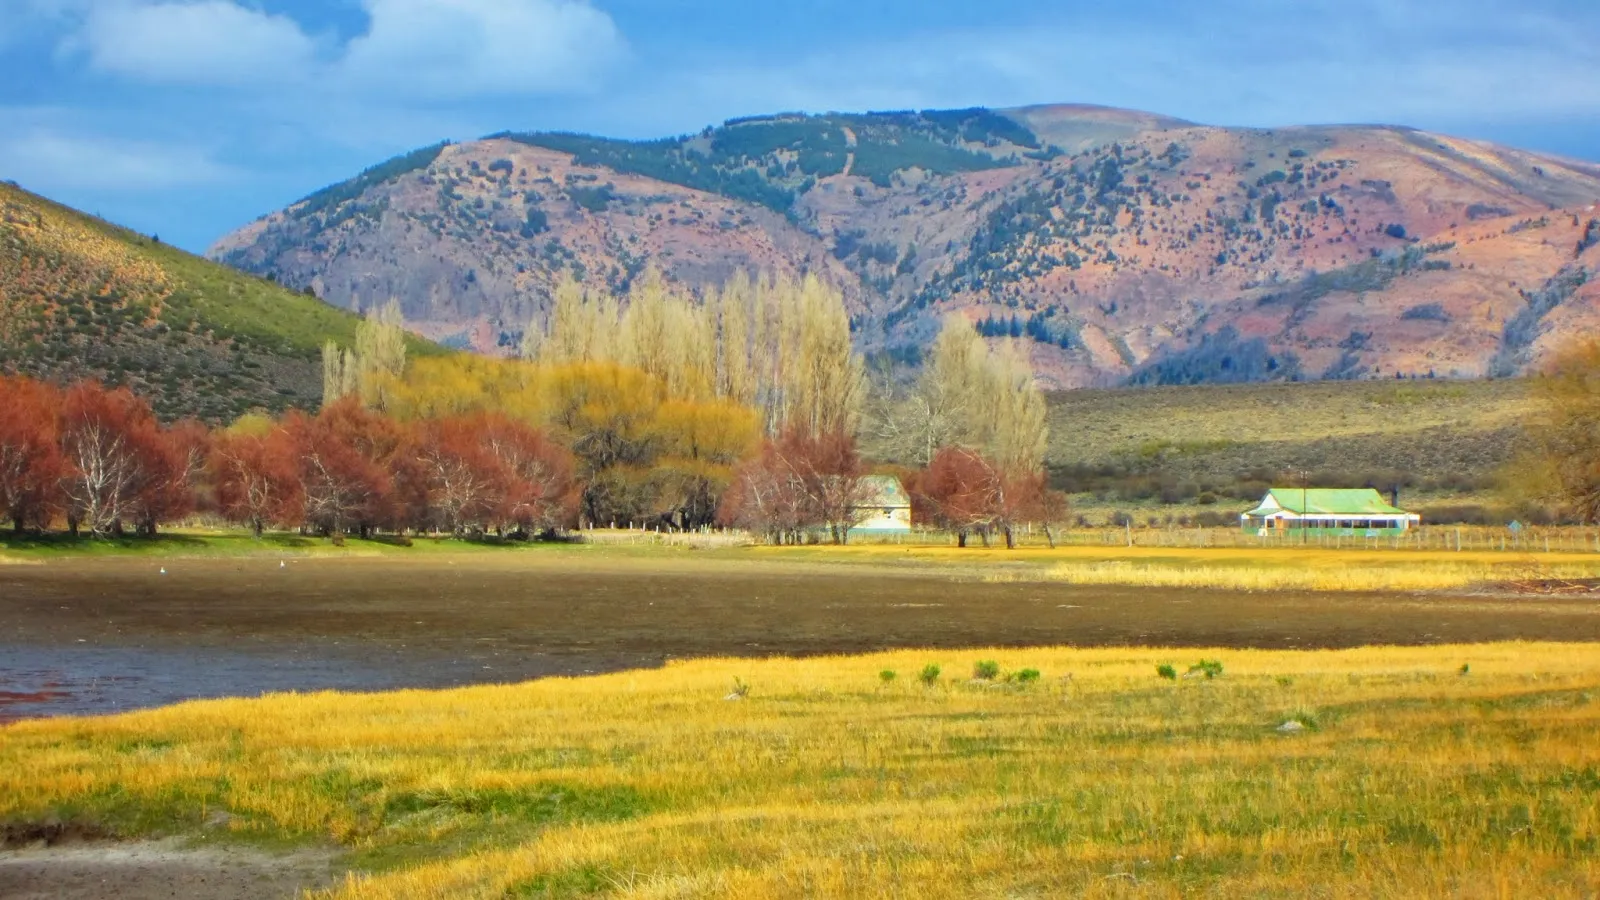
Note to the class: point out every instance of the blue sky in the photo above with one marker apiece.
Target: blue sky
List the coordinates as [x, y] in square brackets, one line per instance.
[188, 118]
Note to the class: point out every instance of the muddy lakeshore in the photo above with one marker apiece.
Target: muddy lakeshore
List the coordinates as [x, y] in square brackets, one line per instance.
[95, 636]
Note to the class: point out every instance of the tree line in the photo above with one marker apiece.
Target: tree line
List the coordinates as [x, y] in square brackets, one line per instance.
[742, 407]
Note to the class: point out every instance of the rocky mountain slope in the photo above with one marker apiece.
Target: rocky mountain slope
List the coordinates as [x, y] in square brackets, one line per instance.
[1117, 245]
[82, 298]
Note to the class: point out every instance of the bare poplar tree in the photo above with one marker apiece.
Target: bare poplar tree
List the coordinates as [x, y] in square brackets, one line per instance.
[333, 380]
[380, 353]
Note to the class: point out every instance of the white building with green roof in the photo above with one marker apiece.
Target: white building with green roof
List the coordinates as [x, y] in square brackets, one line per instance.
[886, 508]
[1327, 511]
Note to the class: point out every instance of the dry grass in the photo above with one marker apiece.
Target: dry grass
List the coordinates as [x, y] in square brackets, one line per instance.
[1414, 778]
[1232, 568]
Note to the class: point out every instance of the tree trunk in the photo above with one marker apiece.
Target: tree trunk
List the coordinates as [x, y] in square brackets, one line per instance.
[961, 539]
[72, 525]
[17, 522]
[1011, 541]
[1049, 537]
[984, 534]
[255, 527]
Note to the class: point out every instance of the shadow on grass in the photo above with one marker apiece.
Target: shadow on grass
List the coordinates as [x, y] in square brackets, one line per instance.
[229, 543]
[83, 543]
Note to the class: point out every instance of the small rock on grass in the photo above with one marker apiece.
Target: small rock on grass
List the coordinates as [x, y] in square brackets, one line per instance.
[1291, 727]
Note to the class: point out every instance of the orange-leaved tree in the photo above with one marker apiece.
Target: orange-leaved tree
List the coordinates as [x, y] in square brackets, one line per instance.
[31, 464]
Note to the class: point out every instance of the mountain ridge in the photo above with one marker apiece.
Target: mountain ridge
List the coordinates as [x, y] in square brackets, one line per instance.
[1113, 243]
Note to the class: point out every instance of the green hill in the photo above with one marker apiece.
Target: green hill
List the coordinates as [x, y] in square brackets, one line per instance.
[1185, 450]
[80, 297]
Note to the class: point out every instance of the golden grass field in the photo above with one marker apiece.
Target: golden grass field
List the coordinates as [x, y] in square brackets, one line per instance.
[1231, 568]
[1467, 771]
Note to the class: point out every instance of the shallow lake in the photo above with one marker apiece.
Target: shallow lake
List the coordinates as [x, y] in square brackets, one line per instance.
[96, 636]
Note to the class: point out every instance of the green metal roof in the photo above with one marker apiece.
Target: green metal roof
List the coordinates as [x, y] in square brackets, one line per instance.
[1329, 502]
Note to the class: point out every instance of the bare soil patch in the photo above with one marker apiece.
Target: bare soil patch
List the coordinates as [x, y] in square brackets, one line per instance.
[148, 870]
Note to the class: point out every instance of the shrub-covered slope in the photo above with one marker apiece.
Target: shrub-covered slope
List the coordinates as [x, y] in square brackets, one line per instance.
[80, 297]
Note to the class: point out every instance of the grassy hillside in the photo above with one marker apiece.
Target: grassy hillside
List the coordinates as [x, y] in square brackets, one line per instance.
[1463, 770]
[80, 297]
[1442, 442]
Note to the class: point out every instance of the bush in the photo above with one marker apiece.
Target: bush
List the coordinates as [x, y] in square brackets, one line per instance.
[986, 670]
[1167, 672]
[1026, 676]
[886, 676]
[930, 674]
[1210, 667]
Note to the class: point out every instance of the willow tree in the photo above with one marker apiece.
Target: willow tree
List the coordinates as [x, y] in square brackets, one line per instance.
[1561, 466]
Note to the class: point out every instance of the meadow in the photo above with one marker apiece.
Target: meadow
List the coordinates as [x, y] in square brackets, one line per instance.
[1461, 770]
[1185, 452]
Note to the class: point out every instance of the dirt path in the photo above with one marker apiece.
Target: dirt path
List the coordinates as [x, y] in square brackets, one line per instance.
[850, 143]
[160, 869]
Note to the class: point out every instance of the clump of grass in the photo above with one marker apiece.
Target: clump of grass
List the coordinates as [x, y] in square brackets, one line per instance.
[740, 691]
[1024, 676]
[1165, 670]
[887, 676]
[1210, 668]
[986, 670]
[929, 675]
[1306, 718]
[1466, 669]
[1284, 681]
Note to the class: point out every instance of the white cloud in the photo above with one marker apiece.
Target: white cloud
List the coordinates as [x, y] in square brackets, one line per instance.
[412, 50]
[464, 48]
[49, 159]
[212, 42]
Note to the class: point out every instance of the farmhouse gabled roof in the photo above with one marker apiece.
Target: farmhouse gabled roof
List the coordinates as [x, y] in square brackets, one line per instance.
[886, 491]
[1326, 502]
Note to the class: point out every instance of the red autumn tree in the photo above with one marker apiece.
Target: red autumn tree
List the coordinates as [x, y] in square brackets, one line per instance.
[448, 475]
[255, 478]
[31, 465]
[172, 461]
[767, 497]
[958, 492]
[541, 491]
[111, 443]
[830, 469]
[798, 482]
[342, 457]
[964, 491]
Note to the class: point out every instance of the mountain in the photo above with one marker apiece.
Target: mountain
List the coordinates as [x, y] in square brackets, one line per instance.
[80, 297]
[1118, 245]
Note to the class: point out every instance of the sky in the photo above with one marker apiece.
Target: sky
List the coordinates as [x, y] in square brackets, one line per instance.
[189, 118]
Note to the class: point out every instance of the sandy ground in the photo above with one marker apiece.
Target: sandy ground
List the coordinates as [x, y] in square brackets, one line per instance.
[160, 869]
